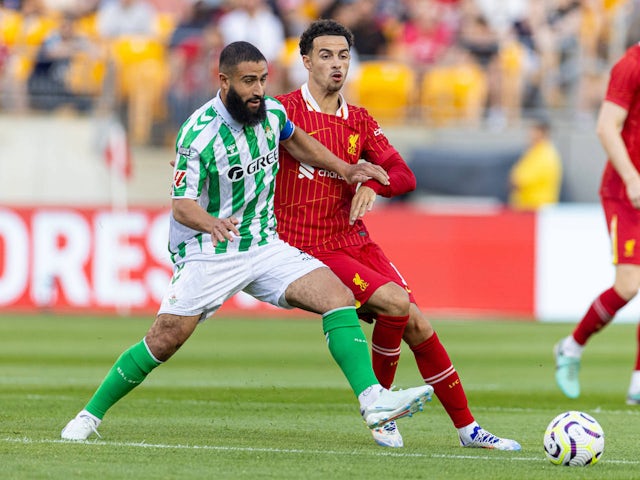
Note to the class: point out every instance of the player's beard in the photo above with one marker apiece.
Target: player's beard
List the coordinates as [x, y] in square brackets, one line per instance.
[241, 113]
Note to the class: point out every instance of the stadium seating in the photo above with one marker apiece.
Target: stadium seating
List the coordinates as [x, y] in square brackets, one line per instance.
[33, 31]
[86, 74]
[385, 88]
[87, 25]
[165, 24]
[512, 66]
[453, 95]
[290, 51]
[141, 79]
[23, 37]
[10, 26]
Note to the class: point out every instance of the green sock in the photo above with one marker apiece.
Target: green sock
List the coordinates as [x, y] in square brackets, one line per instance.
[128, 372]
[349, 347]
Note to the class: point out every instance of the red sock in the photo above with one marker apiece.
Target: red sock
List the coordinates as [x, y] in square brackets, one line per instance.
[385, 347]
[437, 370]
[600, 313]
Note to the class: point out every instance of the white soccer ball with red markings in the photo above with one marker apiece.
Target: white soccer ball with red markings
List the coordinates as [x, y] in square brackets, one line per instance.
[575, 439]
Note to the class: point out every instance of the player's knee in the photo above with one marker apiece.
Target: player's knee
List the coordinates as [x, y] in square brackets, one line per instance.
[390, 299]
[343, 296]
[418, 328]
[335, 294]
[162, 346]
[167, 334]
[627, 290]
[399, 301]
[627, 281]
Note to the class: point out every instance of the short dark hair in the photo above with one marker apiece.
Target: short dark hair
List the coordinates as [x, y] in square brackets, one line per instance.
[238, 52]
[320, 28]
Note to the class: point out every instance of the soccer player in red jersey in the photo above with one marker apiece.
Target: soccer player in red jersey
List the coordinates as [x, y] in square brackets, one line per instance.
[318, 212]
[618, 128]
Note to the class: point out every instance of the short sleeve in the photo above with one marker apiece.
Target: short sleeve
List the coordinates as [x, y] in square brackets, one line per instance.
[186, 174]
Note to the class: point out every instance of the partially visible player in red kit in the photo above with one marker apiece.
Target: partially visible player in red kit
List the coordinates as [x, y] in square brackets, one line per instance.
[320, 213]
[618, 128]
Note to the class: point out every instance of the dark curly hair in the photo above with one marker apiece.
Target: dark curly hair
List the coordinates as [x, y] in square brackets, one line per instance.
[320, 28]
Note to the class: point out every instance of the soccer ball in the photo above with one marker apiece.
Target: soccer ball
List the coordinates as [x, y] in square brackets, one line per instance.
[575, 439]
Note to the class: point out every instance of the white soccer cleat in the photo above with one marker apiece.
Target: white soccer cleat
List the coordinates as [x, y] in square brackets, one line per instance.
[394, 404]
[388, 435]
[480, 438]
[80, 428]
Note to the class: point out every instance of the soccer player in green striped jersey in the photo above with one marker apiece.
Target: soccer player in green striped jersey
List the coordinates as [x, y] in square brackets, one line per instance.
[223, 240]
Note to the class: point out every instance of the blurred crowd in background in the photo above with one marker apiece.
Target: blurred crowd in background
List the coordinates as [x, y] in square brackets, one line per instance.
[427, 62]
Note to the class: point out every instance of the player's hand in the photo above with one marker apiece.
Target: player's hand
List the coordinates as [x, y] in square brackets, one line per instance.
[361, 203]
[633, 192]
[224, 229]
[364, 171]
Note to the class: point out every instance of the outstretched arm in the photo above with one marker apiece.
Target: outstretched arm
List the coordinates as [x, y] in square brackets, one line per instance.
[401, 178]
[307, 149]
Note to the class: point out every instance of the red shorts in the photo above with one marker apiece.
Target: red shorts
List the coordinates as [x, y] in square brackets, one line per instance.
[363, 268]
[623, 222]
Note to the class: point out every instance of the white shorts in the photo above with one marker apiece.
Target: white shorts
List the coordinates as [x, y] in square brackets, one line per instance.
[201, 287]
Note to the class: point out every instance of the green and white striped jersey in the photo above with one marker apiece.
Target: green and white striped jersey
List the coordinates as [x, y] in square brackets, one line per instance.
[230, 169]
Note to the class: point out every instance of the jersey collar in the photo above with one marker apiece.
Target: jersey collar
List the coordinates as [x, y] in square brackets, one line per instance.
[312, 105]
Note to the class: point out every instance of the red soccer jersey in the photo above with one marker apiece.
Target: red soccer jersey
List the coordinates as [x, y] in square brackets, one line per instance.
[624, 90]
[312, 205]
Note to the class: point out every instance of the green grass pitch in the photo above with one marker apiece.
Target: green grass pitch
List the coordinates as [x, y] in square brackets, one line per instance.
[261, 398]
